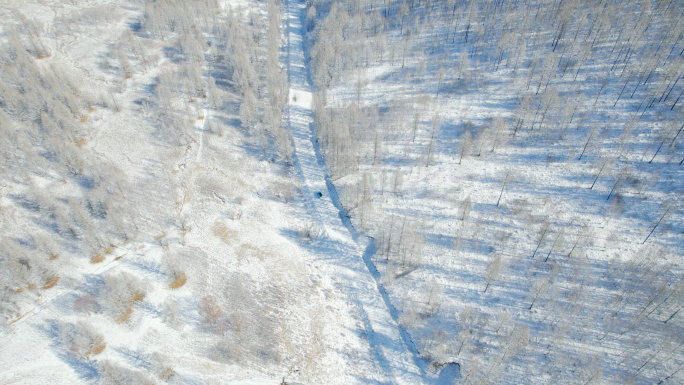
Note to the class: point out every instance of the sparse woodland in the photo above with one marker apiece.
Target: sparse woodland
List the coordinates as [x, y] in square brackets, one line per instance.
[525, 158]
[142, 150]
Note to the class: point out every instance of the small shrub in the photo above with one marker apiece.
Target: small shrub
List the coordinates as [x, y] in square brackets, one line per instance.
[409, 318]
[125, 316]
[123, 291]
[436, 350]
[212, 313]
[82, 340]
[222, 232]
[160, 367]
[87, 303]
[309, 231]
[51, 282]
[172, 313]
[97, 346]
[167, 373]
[161, 239]
[249, 251]
[179, 280]
[115, 373]
[136, 297]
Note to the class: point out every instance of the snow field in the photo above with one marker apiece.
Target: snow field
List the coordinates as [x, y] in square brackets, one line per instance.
[556, 237]
[178, 232]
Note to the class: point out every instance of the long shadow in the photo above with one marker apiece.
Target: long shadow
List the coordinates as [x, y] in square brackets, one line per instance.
[367, 257]
[302, 76]
[85, 369]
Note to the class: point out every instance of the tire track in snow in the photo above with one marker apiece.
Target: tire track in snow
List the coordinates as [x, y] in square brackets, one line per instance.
[347, 254]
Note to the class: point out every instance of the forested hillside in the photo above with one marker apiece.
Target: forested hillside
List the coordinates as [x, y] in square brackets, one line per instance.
[174, 210]
[151, 227]
[519, 165]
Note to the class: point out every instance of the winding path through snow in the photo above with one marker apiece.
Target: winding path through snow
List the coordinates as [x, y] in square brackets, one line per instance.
[346, 253]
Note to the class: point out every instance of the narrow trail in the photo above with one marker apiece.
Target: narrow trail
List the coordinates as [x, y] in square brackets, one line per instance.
[346, 253]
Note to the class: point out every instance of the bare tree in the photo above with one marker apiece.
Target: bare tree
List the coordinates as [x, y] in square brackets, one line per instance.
[433, 292]
[508, 178]
[621, 178]
[464, 144]
[667, 207]
[557, 243]
[603, 164]
[493, 270]
[539, 287]
[498, 131]
[465, 208]
[545, 226]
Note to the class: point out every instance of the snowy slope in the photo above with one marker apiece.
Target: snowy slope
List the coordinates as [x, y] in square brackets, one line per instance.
[337, 243]
[518, 165]
[195, 270]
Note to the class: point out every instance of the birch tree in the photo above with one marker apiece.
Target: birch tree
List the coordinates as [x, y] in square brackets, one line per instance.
[493, 270]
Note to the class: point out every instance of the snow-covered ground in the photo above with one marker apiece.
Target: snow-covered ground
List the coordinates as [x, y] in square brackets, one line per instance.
[515, 193]
[154, 237]
[346, 254]
[483, 192]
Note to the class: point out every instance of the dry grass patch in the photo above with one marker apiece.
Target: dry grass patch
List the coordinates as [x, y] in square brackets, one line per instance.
[136, 297]
[51, 282]
[179, 281]
[167, 373]
[82, 339]
[249, 251]
[224, 233]
[96, 346]
[101, 257]
[80, 143]
[125, 316]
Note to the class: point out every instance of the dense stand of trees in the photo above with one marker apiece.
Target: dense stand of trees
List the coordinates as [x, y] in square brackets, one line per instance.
[590, 86]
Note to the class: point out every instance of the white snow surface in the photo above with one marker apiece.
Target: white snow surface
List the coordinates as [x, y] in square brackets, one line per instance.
[342, 247]
[210, 208]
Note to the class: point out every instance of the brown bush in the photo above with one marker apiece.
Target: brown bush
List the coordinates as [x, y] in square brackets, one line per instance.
[211, 310]
[179, 280]
[51, 282]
